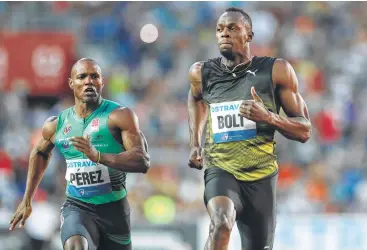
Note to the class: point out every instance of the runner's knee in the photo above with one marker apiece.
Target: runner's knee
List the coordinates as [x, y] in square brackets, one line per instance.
[76, 242]
[223, 223]
[222, 214]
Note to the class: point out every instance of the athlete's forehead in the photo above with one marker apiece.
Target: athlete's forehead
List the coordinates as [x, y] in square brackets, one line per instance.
[85, 67]
[231, 17]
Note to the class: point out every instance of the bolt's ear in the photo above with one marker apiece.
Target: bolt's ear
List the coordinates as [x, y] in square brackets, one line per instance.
[250, 37]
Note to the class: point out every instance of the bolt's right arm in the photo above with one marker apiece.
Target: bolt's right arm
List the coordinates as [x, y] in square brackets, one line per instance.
[197, 114]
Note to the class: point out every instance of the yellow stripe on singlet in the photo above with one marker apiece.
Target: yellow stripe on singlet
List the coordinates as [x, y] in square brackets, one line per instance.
[247, 160]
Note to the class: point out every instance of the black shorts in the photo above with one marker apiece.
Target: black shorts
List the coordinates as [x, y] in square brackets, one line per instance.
[105, 226]
[255, 204]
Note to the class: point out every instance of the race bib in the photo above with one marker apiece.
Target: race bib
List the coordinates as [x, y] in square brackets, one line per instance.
[87, 178]
[228, 125]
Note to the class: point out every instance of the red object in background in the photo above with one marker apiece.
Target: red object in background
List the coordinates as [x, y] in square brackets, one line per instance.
[39, 60]
[40, 195]
[288, 175]
[318, 83]
[5, 161]
[60, 6]
[326, 126]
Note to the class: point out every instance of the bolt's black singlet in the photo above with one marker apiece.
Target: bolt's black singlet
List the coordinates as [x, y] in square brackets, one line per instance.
[242, 147]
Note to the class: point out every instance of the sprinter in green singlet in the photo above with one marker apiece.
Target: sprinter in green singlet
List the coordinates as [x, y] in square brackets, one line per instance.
[101, 142]
[237, 98]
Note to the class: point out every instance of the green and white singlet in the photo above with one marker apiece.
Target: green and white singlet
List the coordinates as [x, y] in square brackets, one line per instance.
[88, 181]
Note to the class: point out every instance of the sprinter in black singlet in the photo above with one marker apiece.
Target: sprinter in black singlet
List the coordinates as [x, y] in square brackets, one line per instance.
[238, 97]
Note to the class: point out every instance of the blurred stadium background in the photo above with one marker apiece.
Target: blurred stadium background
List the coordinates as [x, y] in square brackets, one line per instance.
[322, 188]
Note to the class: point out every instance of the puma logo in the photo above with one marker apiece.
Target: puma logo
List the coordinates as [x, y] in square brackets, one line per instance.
[252, 72]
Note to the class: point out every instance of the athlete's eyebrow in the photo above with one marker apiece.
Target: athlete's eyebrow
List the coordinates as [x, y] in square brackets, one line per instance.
[229, 24]
[86, 73]
[81, 74]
